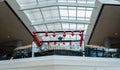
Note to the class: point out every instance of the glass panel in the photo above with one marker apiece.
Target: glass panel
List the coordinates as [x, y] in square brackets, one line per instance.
[88, 13]
[62, 0]
[45, 38]
[72, 18]
[72, 13]
[53, 38]
[51, 27]
[85, 32]
[86, 26]
[51, 0]
[89, 9]
[50, 13]
[47, 1]
[65, 17]
[86, 1]
[43, 0]
[54, 12]
[65, 26]
[63, 12]
[81, 1]
[41, 28]
[46, 13]
[73, 37]
[88, 19]
[73, 26]
[81, 18]
[26, 2]
[81, 8]
[34, 15]
[67, 37]
[78, 37]
[80, 26]
[91, 1]
[58, 26]
[41, 34]
[73, 1]
[81, 13]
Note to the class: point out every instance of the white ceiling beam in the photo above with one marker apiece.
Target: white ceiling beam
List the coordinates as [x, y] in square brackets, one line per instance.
[43, 5]
[61, 21]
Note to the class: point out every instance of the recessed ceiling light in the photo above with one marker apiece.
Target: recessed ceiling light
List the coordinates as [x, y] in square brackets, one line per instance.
[8, 36]
[116, 33]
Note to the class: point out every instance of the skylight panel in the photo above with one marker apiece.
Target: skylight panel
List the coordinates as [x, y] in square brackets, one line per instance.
[42, 0]
[67, 37]
[62, 0]
[81, 1]
[54, 12]
[72, 18]
[88, 13]
[51, 27]
[81, 18]
[34, 15]
[80, 8]
[86, 1]
[86, 26]
[80, 13]
[91, 2]
[58, 26]
[73, 37]
[46, 13]
[78, 37]
[65, 26]
[26, 2]
[52, 0]
[80, 26]
[72, 26]
[43, 16]
[72, 11]
[72, 1]
[45, 38]
[47, 1]
[63, 11]
[40, 28]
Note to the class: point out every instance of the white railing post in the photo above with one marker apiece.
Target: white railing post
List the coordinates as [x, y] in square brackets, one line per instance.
[83, 49]
[33, 46]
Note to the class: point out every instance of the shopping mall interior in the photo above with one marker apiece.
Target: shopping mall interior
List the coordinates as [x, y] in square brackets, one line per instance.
[59, 34]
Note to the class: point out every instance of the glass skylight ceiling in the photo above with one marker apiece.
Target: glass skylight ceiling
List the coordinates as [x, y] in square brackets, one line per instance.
[58, 15]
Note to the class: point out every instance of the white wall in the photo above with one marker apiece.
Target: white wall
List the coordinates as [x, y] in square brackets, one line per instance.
[61, 63]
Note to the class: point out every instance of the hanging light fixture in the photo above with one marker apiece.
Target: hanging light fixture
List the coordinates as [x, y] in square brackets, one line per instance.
[46, 34]
[72, 33]
[64, 33]
[54, 34]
